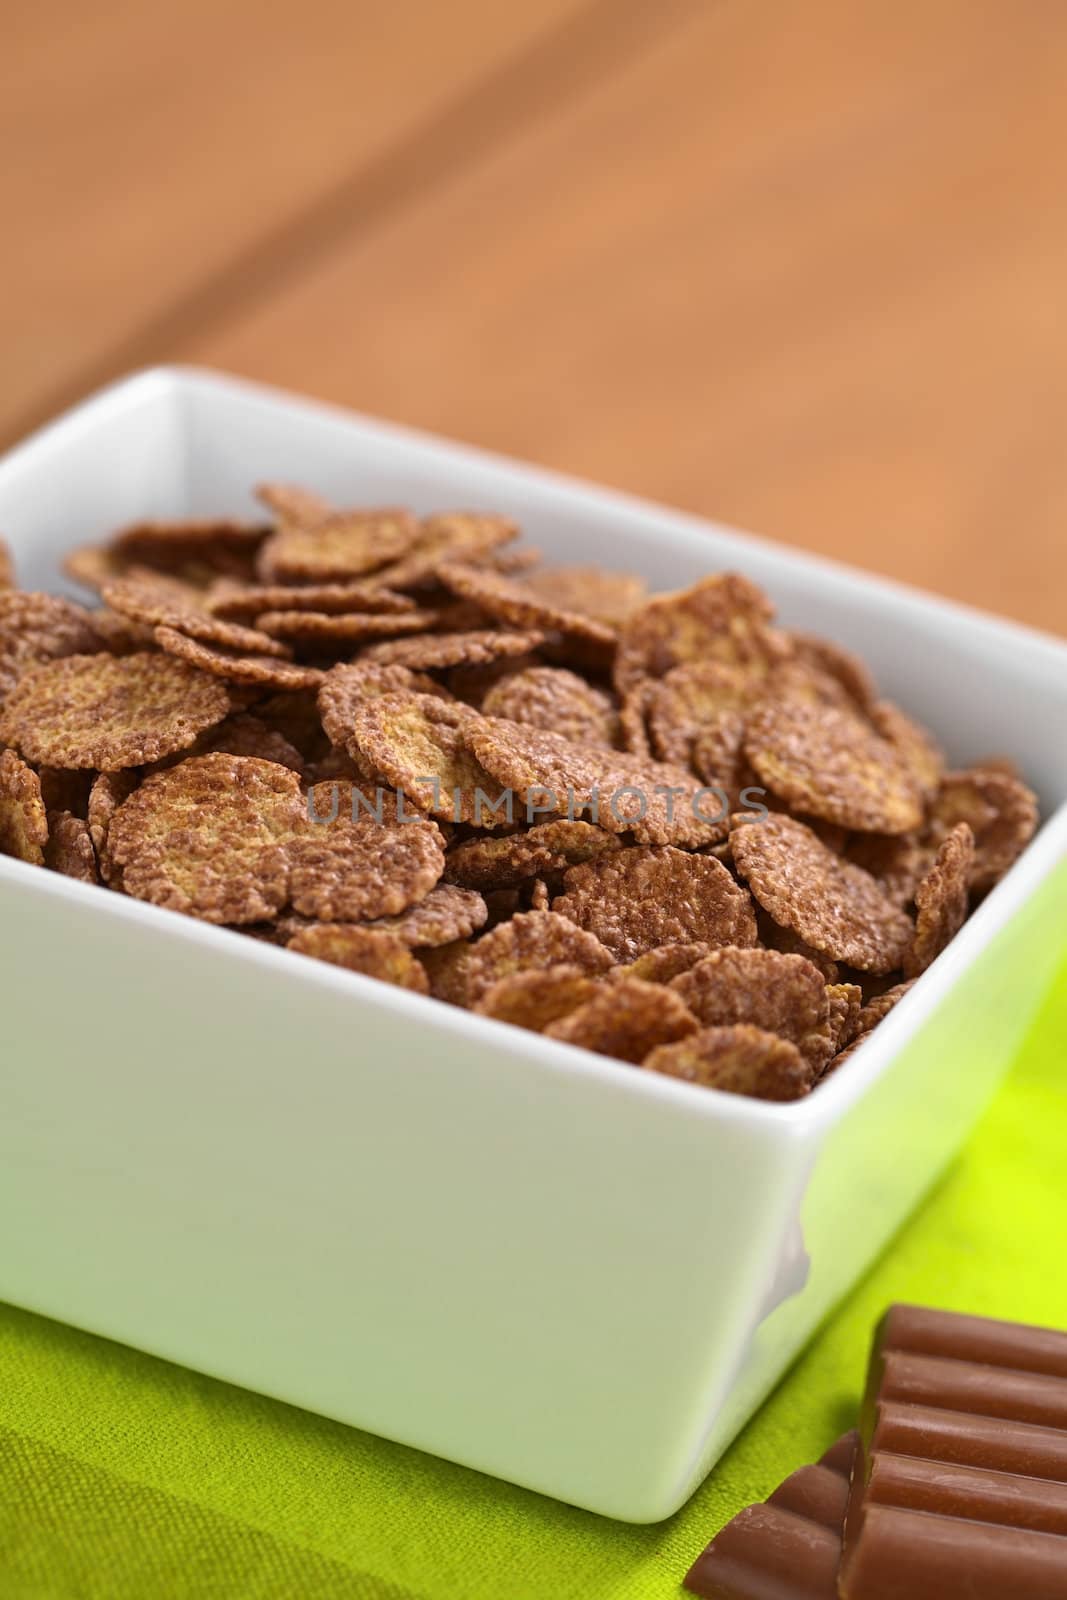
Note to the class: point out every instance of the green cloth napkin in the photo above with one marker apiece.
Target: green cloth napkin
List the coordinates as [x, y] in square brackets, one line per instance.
[125, 1478]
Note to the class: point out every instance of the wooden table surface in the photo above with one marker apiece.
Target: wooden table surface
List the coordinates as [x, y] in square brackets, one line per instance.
[797, 264]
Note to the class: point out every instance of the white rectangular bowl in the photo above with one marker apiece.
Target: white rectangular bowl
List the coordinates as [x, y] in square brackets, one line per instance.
[466, 1237]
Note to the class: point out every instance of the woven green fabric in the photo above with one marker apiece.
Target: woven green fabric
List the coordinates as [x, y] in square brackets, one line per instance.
[125, 1478]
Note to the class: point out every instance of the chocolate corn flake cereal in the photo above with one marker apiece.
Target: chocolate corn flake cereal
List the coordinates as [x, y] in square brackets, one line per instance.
[447, 968]
[666, 962]
[536, 893]
[365, 950]
[294, 713]
[452, 615]
[110, 712]
[834, 661]
[897, 861]
[343, 870]
[535, 1000]
[1000, 811]
[183, 557]
[341, 545]
[802, 680]
[528, 942]
[627, 1019]
[843, 1055]
[23, 818]
[572, 841]
[691, 700]
[741, 1059]
[210, 837]
[446, 914]
[255, 670]
[942, 899]
[608, 597]
[557, 700]
[774, 937]
[539, 896]
[828, 764]
[35, 628]
[92, 566]
[418, 743]
[1002, 764]
[961, 798]
[242, 734]
[504, 784]
[119, 636]
[723, 618]
[718, 758]
[834, 906]
[432, 651]
[639, 898]
[246, 602]
[781, 994]
[151, 607]
[7, 567]
[69, 849]
[458, 616]
[166, 587]
[515, 604]
[633, 719]
[879, 1006]
[318, 630]
[290, 503]
[845, 1001]
[356, 796]
[860, 1027]
[350, 685]
[149, 586]
[472, 683]
[503, 862]
[917, 749]
[657, 803]
[95, 566]
[108, 792]
[218, 541]
[510, 562]
[473, 537]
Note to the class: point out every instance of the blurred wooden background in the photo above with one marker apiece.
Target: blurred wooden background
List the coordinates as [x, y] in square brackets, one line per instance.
[798, 264]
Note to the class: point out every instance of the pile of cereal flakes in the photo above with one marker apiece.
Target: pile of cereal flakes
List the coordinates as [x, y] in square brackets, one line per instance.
[662, 828]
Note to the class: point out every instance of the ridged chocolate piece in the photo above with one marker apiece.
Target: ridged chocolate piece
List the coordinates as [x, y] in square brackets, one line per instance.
[960, 1485]
[912, 1555]
[912, 1484]
[980, 1339]
[789, 1547]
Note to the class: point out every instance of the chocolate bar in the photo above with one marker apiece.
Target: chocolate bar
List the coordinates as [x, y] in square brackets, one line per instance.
[788, 1547]
[960, 1485]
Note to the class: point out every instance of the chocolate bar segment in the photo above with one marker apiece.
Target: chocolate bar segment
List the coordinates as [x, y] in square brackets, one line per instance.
[788, 1548]
[976, 1390]
[954, 1437]
[911, 1484]
[911, 1555]
[982, 1340]
[960, 1484]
